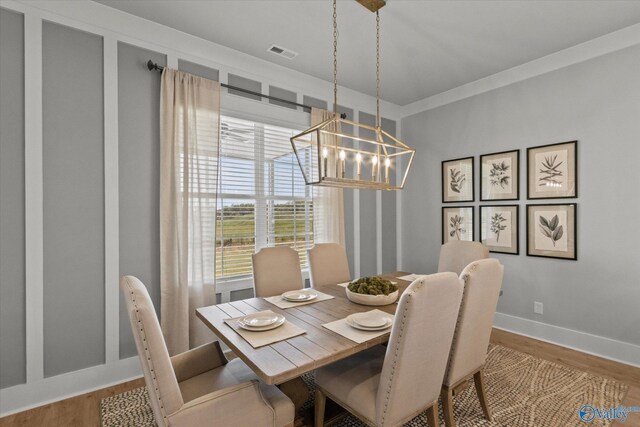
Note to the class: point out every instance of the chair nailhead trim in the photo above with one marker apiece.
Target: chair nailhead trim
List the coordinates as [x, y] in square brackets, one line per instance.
[397, 350]
[466, 279]
[146, 350]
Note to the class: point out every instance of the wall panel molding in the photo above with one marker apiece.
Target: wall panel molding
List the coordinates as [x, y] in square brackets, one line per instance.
[111, 202]
[104, 20]
[116, 27]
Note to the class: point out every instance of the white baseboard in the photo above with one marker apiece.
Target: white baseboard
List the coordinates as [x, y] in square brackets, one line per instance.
[26, 396]
[606, 348]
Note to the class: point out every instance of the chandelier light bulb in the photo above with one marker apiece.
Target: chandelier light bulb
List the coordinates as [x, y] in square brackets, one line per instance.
[343, 155]
[325, 152]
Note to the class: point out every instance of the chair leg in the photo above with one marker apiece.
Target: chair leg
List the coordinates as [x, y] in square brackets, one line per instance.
[478, 379]
[296, 390]
[446, 395]
[321, 400]
[432, 415]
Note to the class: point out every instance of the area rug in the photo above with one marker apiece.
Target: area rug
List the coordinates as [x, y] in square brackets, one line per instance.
[523, 391]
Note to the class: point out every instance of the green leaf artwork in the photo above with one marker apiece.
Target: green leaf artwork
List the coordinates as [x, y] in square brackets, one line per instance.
[457, 179]
[551, 228]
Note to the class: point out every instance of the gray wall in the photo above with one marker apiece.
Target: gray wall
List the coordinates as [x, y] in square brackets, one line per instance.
[347, 194]
[244, 83]
[12, 223]
[139, 176]
[368, 215]
[389, 229]
[198, 70]
[73, 165]
[282, 94]
[596, 102]
[73, 152]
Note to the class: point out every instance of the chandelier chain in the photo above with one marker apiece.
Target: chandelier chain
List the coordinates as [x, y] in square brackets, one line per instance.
[335, 57]
[378, 121]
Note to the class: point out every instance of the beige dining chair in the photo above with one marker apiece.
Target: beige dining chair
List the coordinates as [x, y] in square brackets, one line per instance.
[482, 283]
[328, 264]
[198, 387]
[387, 386]
[457, 254]
[276, 270]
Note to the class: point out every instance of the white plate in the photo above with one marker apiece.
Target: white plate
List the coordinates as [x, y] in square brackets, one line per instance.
[261, 319]
[353, 324]
[300, 296]
[248, 327]
[370, 320]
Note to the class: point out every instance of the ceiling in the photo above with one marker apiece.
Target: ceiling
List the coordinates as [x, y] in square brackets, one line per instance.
[427, 47]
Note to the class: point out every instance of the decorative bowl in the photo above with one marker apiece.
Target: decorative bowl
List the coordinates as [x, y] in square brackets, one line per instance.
[365, 299]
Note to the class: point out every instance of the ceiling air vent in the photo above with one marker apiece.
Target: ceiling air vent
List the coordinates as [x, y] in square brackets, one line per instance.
[281, 51]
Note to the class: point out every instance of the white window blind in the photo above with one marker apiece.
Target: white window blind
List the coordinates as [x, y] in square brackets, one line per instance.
[262, 199]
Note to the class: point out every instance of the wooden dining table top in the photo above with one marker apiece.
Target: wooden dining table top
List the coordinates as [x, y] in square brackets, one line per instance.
[288, 359]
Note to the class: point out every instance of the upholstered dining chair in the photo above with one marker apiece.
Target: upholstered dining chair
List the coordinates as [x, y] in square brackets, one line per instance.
[328, 264]
[389, 386]
[276, 270]
[198, 387]
[482, 283]
[457, 254]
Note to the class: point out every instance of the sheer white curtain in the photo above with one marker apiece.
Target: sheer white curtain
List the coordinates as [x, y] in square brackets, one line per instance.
[328, 203]
[189, 158]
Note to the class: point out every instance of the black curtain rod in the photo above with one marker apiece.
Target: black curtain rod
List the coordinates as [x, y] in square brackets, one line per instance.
[154, 66]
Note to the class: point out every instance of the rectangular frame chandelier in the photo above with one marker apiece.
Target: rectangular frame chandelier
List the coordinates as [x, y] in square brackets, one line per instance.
[368, 159]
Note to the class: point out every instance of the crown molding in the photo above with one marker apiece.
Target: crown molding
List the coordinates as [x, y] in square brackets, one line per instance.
[617, 40]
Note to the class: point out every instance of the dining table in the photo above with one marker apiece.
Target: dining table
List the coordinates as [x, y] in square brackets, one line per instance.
[282, 361]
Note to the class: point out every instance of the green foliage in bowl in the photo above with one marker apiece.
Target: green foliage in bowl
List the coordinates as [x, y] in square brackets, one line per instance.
[374, 285]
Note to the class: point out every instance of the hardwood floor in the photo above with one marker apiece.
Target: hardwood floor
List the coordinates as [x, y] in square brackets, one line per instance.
[84, 410]
[79, 411]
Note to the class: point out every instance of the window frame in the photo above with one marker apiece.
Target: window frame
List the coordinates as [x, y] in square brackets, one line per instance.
[263, 228]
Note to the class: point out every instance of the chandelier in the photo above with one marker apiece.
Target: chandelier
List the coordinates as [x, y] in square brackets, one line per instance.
[367, 158]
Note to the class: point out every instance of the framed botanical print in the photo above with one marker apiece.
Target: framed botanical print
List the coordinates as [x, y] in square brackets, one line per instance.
[499, 228]
[552, 231]
[499, 176]
[552, 171]
[457, 223]
[457, 180]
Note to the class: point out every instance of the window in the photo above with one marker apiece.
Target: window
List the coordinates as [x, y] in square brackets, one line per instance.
[262, 199]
